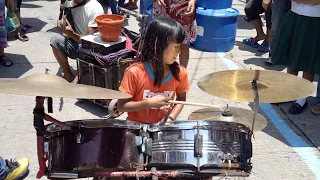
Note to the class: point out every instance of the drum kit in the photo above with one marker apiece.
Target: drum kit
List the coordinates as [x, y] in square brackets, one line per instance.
[214, 141]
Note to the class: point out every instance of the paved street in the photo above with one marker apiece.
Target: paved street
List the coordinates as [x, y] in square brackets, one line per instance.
[286, 149]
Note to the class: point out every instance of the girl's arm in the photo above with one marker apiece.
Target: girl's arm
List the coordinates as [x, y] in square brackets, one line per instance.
[177, 108]
[125, 105]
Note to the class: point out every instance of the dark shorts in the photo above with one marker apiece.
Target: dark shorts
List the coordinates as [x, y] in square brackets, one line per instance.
[66, 45]
[253, 10]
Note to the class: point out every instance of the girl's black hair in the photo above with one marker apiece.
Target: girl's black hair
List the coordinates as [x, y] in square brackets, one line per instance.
[161, 32]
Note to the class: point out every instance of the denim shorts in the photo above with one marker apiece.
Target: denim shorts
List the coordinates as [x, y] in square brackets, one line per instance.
[66, 45]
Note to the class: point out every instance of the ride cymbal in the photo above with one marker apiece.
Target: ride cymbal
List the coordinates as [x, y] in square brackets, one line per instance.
[239, 115]
[48, 85]
[273, 86]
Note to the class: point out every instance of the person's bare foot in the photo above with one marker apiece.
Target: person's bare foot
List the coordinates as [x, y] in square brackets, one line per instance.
[258, 38]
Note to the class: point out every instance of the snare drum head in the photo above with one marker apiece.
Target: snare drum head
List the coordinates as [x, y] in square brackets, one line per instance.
[97, 123]
[192, 124]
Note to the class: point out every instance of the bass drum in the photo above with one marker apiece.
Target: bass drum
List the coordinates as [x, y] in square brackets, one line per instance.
[202, 146]
[106, 145]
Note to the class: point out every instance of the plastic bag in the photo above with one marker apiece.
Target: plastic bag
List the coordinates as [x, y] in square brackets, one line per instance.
[12, 22]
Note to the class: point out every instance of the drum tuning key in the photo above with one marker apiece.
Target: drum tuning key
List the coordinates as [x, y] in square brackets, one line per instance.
[77, 129]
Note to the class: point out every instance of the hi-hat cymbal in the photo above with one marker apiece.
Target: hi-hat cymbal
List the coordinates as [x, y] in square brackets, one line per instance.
[241, 116]
[273, 86]
[48, 85]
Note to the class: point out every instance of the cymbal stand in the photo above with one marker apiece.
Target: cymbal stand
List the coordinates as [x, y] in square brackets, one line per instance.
[38, 123]
[256, 98]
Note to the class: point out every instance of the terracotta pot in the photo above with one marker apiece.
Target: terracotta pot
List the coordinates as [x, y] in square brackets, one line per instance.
[109, 26]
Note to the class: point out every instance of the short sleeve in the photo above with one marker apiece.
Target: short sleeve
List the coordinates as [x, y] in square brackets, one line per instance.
[184, 81]
[96, 10]
[129, 83]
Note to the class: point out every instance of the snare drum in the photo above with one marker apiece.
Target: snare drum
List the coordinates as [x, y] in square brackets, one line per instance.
[201, 146]
[106, 145]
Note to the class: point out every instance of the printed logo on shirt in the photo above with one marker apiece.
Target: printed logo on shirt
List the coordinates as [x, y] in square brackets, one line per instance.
[148, 94]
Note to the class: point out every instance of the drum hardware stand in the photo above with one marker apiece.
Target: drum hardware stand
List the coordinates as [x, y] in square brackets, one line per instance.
[166, 117]
[152, 173]
[256, 99]
[198, 145]
[226, 112]
[38, 123]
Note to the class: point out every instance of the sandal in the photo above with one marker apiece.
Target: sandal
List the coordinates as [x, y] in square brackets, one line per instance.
[22, 37]
[316, 110]
[26, 29]
[27, 25]
[4, 60]
[264, 47]
[250, 43]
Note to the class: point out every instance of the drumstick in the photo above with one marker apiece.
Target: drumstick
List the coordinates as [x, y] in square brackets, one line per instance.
[194, 104]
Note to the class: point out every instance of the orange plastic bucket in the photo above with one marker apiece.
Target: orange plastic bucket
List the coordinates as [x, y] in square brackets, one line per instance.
[109, 26]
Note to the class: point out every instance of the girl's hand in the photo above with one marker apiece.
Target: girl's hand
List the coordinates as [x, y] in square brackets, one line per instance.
[158, 101]
[161, 3]
[191, 7]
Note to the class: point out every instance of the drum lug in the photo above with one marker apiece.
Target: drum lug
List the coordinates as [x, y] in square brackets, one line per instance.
[198, 145]
[149, 147]
[79, 138]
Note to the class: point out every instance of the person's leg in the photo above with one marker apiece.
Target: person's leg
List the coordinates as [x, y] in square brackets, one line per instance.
[3, 168]
[279, 9]
[19, 33]
[113, 6]
[121, 3]
[300, 104]
[4, 60]
[253, 10]
[184, 55]
[316, 109]
[63, 48]
[289, 71]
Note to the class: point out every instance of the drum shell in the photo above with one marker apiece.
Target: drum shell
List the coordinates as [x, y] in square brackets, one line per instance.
[112, 148]
[174, 146]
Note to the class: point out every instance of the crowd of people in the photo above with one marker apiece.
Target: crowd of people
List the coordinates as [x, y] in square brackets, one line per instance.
[292, 38]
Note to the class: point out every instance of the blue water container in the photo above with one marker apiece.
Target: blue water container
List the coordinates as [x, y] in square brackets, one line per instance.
[214, 4]
[149, 13]
[144, 5]
[216, 29]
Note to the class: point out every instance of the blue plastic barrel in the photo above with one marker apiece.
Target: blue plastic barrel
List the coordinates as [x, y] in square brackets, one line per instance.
[214, 4]
[149, 13]
[216, 29]
[144, 5]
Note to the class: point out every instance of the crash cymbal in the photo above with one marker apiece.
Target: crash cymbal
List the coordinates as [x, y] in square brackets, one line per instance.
[239, 115]
[273, 86]
[48, 85]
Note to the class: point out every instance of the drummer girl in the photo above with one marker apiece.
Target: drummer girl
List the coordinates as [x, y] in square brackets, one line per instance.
[156, 78]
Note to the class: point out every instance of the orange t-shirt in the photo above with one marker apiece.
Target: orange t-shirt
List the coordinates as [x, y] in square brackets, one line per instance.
[138, 82]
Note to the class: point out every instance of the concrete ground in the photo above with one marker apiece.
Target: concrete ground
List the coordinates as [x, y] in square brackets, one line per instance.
[285, 149]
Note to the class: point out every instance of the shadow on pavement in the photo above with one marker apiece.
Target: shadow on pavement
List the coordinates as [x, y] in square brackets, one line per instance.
[260, 62]
[20, 66]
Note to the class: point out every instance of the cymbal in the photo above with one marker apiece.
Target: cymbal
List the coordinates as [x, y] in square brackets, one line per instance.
[48, 85]
[273, 86]
[239, 115]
